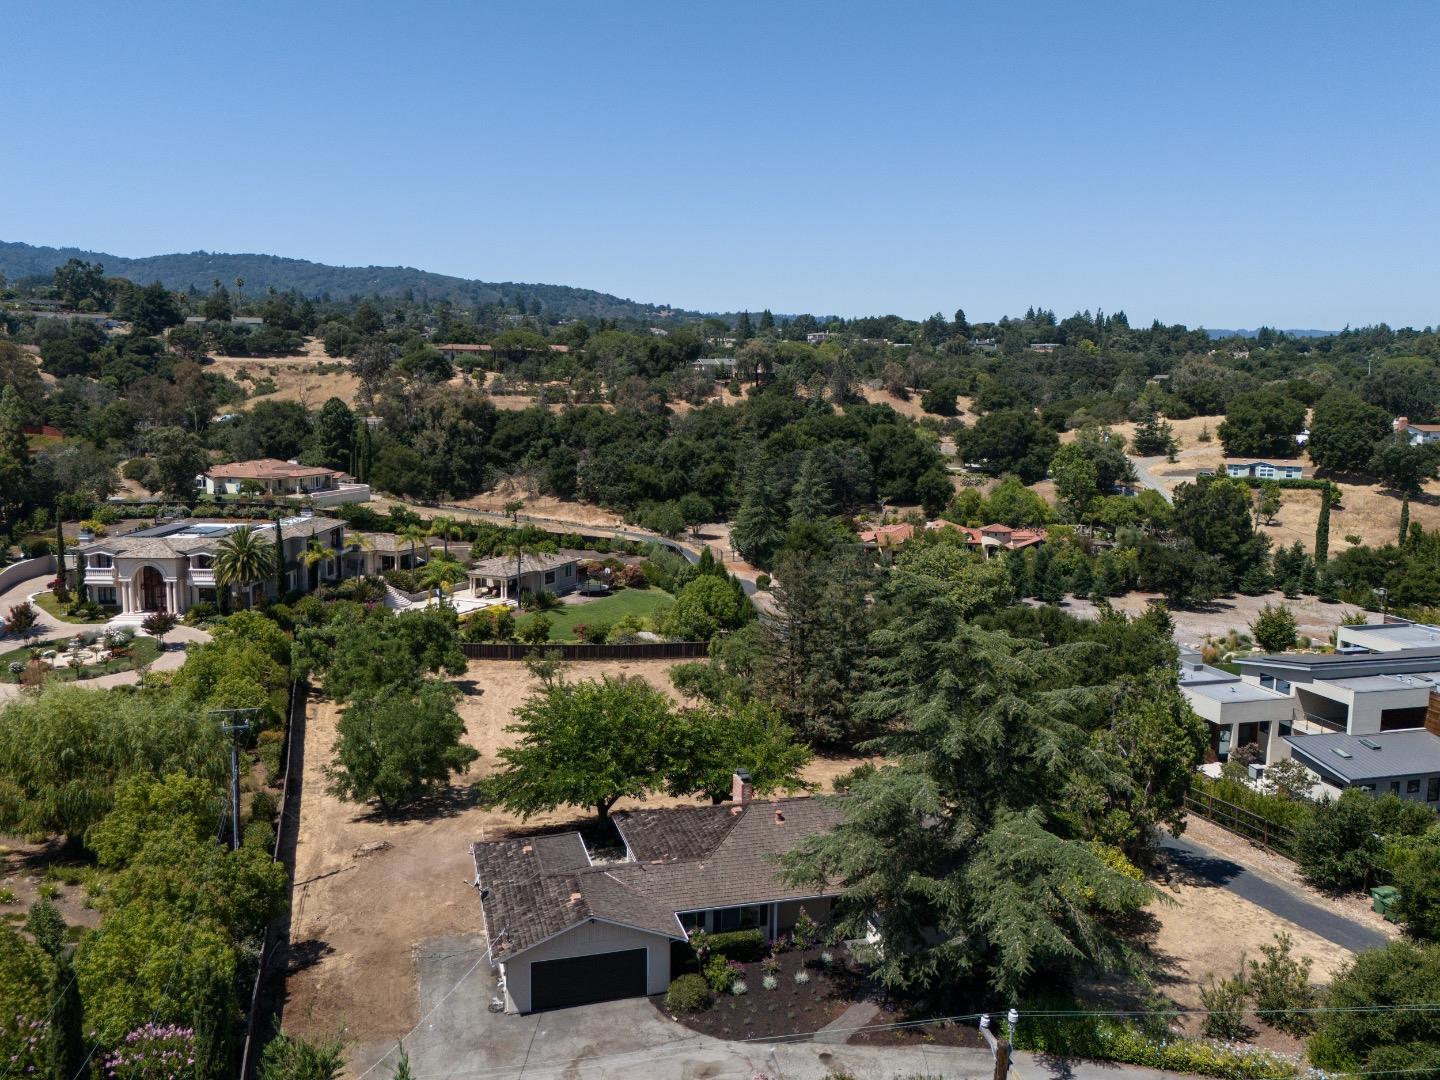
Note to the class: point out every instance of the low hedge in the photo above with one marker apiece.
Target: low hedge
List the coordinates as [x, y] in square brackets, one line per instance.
[1109, 1039]
[745, 946]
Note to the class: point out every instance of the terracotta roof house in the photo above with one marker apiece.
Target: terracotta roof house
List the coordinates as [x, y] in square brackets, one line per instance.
[565, 929]
[327, 487]
[991, 537]
[887, 535]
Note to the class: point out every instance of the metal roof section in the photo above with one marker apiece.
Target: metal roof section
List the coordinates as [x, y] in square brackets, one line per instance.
[1359, 758]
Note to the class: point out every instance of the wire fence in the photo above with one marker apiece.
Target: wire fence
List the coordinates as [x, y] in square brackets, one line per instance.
[630, 650]
[257, 1029]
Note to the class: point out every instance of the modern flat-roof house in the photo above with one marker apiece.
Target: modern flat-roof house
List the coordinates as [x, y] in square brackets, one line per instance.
[1239, 713]
[1277, 469]
[500, 579]
[327, 487]
[1418, 434]
[1391, 635]
[1403, 763]
[566, 927]
[1354, 692]
[172, 567]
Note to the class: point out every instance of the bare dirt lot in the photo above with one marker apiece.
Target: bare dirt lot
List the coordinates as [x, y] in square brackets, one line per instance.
[25, 868]
[310, 377]
[358, 917]
[1313, 618]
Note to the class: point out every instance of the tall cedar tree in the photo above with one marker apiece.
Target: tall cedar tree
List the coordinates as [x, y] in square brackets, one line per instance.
[813, 672]
[955, 852]
[281, 584]
[1322, 530]
[760, 524]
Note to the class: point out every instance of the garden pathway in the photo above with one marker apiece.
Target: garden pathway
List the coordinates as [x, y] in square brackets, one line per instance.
[47, 626]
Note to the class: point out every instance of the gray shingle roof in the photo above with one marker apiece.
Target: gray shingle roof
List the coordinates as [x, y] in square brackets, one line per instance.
[504, 565]
[1393, 753]
[684, 859]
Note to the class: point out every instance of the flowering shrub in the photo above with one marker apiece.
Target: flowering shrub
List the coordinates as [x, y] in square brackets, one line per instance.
[738, 988]
[22, 1045]
[153, 1052]
[769, 982]
[802, 977]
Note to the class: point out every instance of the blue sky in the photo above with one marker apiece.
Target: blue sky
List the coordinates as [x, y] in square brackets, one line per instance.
[1208, 163]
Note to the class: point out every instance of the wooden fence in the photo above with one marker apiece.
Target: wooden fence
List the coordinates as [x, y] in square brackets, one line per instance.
[632, 650]
[1268, 834]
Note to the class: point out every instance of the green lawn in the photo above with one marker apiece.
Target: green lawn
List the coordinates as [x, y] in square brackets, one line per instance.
[141, 651]
[606, 609]
[46, 602]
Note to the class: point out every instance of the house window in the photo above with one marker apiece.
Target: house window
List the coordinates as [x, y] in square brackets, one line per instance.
[101, 562]
[1432, 789]
[692, 920]
[1394, 787]
[1412, 787]
[741, 918]
[550, 577]
[569, 570]
[105, 594]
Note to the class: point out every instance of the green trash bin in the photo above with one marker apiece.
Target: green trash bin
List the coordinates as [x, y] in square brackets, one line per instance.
[1382, 900]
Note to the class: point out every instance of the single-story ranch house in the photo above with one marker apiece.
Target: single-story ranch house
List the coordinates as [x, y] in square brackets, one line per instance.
[565, 929]
[172, 567]
[271, 476]
[1266, 470]
[498, 578]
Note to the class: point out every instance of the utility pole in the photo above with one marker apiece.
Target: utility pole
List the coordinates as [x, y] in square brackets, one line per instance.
[234, 723]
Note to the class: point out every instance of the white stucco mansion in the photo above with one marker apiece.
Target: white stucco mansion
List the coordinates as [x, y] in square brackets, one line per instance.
[171, 567]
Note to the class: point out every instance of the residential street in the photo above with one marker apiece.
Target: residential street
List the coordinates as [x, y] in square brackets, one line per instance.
[1272, 895]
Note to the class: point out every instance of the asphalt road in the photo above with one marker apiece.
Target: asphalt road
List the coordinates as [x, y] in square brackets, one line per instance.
[1272, 896]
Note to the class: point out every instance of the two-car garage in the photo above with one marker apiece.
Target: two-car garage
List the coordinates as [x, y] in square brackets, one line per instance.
[584, 980]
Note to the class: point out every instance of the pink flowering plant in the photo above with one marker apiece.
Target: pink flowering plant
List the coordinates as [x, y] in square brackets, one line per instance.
[22, 1045]
[153, 1052]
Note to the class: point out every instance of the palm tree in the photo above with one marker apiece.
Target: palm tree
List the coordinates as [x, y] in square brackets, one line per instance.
[446, 529]
[415, 534]
[358, 541]
[243, 558]
[519, 548]
[442, 573]
[314, 554]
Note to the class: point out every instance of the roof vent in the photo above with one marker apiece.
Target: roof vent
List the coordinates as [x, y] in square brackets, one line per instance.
[1370, 744]
[1341, 753]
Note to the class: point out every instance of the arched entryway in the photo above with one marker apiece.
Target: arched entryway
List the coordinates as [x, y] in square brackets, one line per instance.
[151, 584]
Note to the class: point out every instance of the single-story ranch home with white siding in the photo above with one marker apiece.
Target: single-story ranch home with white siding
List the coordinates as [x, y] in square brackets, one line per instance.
[565, 929]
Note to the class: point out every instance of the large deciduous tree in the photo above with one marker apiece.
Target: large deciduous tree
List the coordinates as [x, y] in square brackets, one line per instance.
[399, 743]
[1262, 423]
[1344, 432]
[584, 744]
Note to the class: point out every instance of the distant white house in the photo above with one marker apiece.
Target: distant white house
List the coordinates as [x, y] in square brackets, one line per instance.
[1266, 470]
[1418, 434]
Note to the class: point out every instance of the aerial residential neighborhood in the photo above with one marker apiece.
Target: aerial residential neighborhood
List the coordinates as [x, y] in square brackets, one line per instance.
[720, 542]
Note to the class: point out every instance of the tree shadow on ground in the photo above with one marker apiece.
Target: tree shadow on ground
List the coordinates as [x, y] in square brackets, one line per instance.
[449, 803]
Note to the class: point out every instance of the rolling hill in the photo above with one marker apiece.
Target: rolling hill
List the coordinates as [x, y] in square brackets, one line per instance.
[261, 272]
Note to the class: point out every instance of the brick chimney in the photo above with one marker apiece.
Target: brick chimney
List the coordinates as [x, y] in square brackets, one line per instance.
[741, 789]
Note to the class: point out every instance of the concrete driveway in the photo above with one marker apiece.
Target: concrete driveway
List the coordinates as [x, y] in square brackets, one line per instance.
[460, 1039]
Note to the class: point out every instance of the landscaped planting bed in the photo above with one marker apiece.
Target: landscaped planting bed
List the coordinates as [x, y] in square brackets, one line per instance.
[824, 991]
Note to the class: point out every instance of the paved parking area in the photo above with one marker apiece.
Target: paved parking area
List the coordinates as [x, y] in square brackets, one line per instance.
[460, 1039]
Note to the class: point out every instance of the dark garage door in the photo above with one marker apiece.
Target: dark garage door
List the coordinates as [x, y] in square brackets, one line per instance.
[580, 980]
